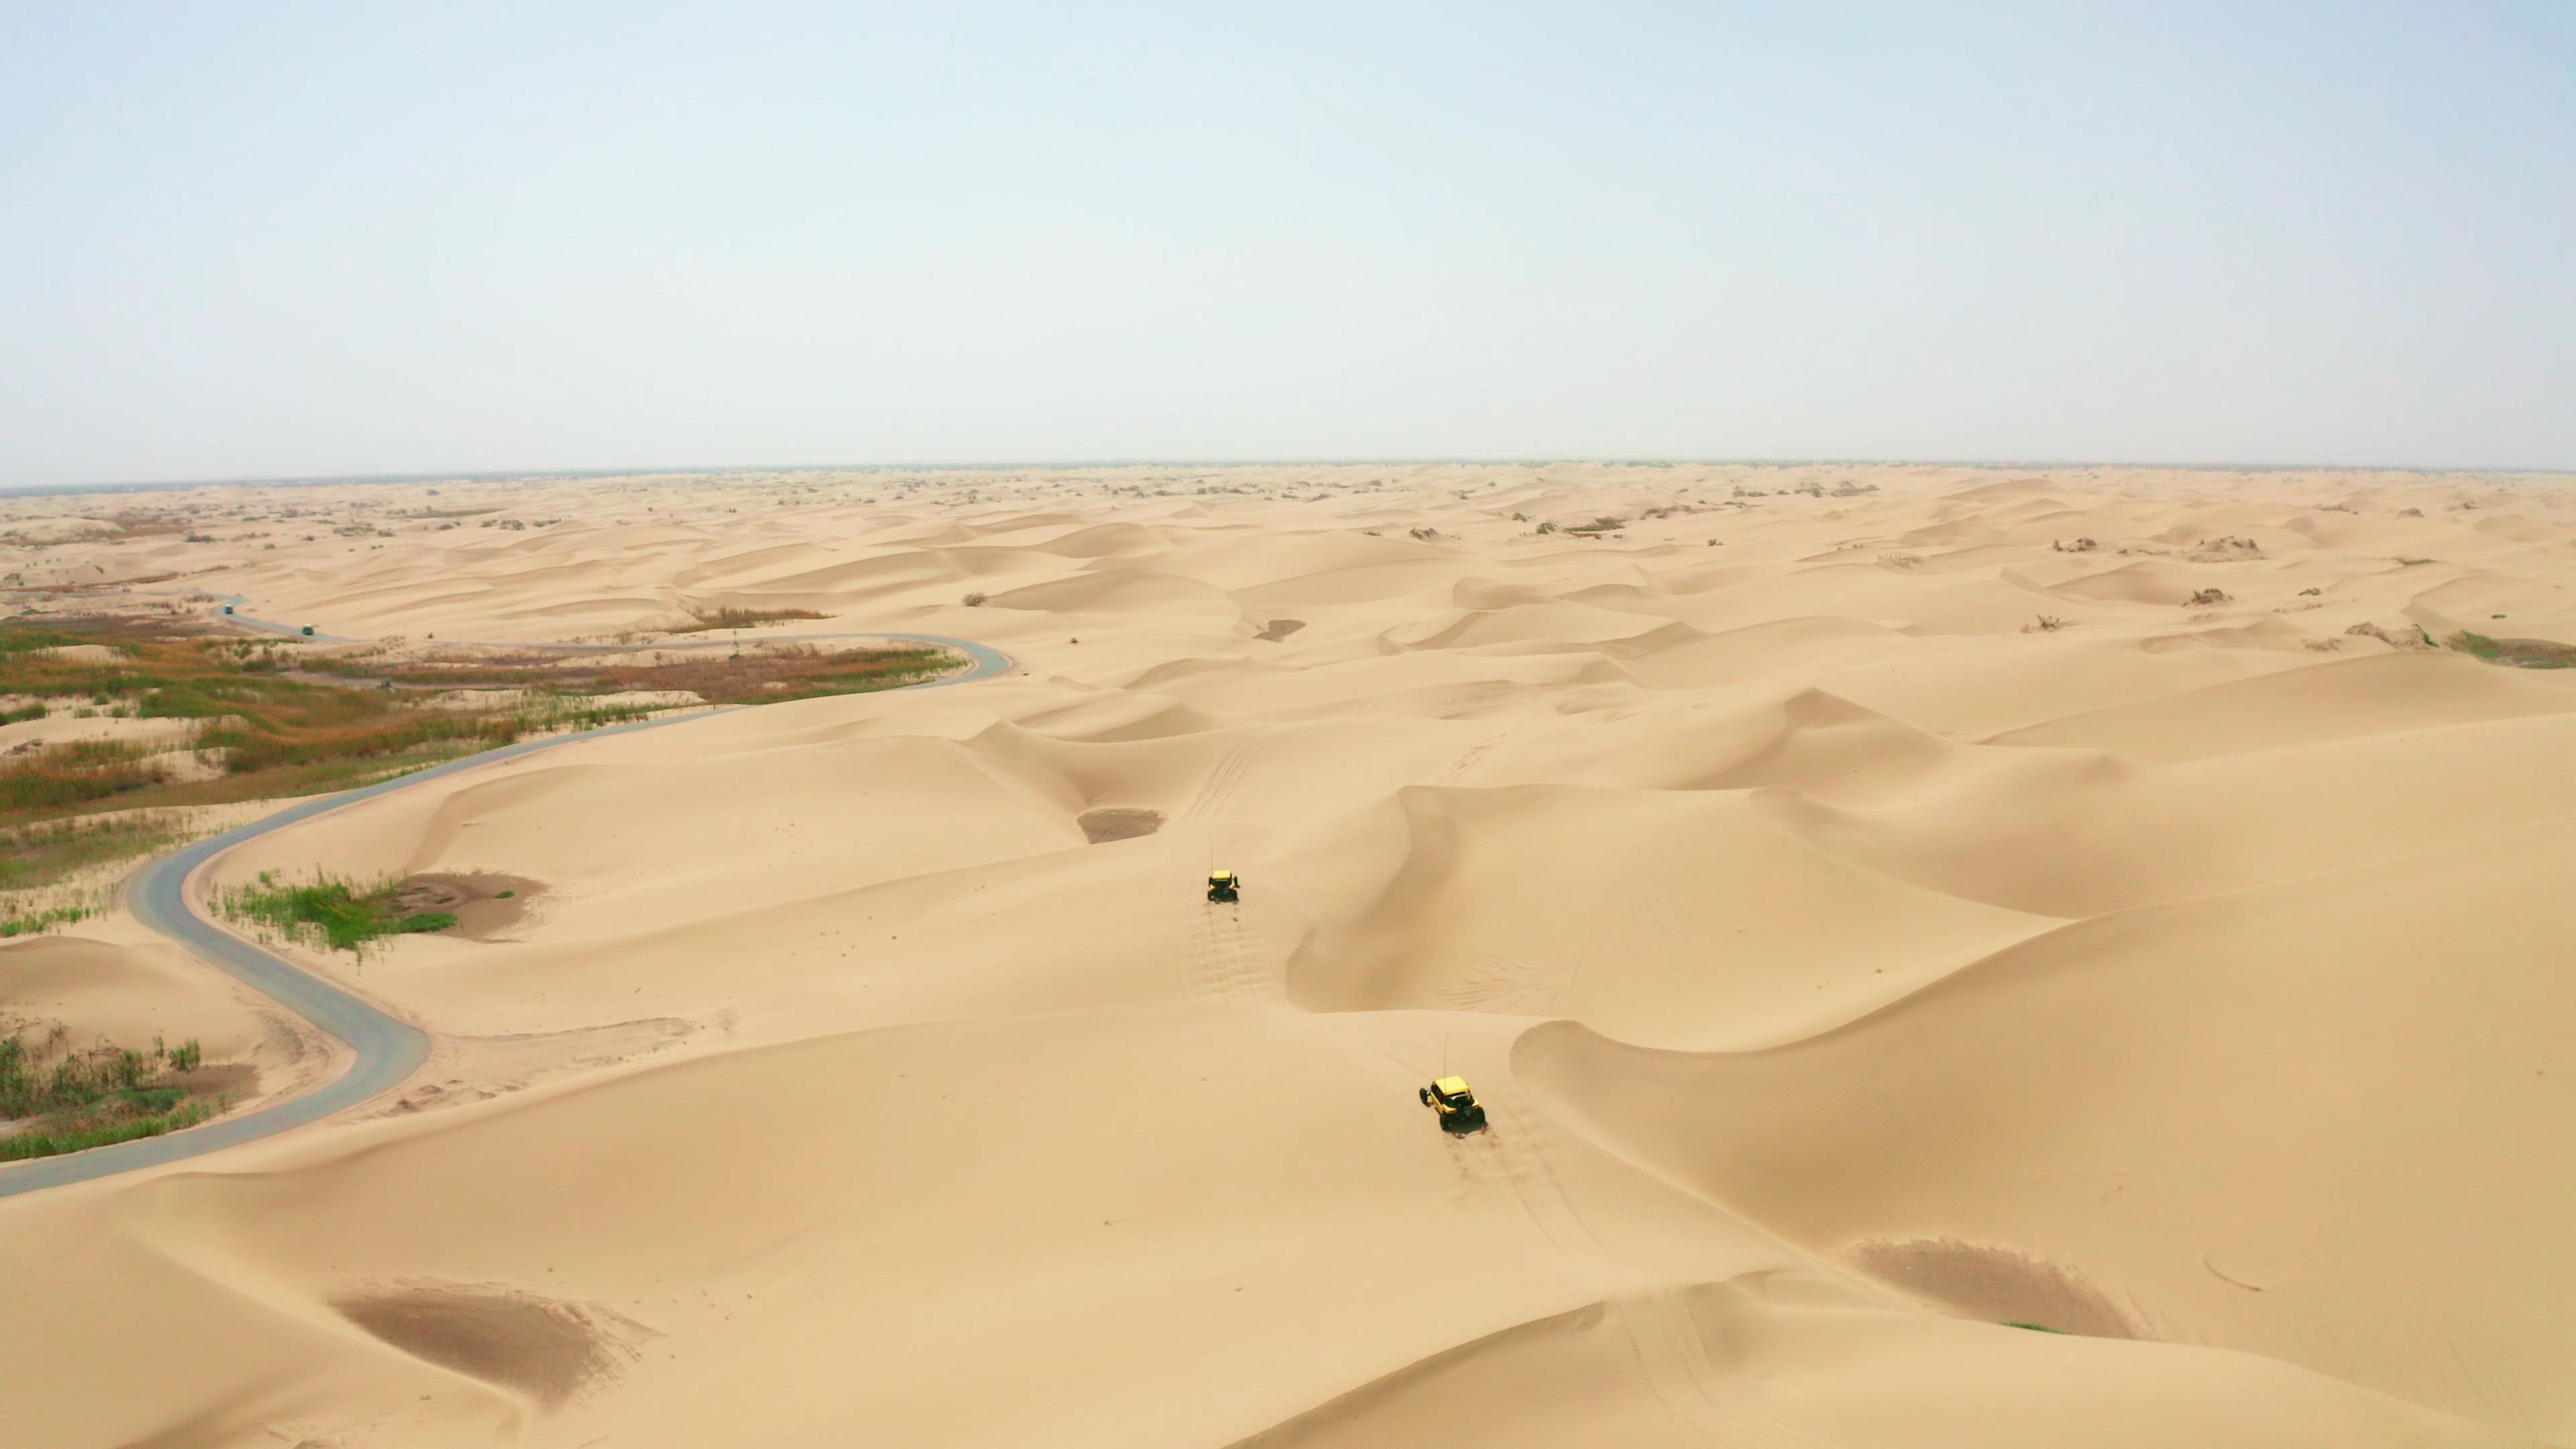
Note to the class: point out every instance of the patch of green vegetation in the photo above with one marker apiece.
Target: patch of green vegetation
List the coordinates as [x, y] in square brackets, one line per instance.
[2515, 653]
[36, 923]
[2036, 1327]
[97, 1097]
[101, 1133]
[22, 641]
[46, 851]
[334, 913]
[263, 723]
[277, 736]
[270, 736]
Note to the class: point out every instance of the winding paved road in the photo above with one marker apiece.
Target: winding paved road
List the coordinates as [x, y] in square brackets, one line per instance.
[388, 1049]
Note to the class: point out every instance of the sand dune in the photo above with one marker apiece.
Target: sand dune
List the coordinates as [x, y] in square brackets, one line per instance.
[2187, 1086]
[1877, 906]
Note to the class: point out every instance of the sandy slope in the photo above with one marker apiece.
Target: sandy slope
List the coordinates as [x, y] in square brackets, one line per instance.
[1852, 967]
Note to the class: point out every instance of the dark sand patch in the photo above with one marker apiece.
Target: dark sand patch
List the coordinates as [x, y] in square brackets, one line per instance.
[538, 1346]
[1119, 822]
[483, 904]
[1996, 1285]
[1280, 629]
[236, 1080]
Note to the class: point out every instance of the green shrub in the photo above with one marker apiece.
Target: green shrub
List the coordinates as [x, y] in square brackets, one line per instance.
[102, 1134]
[344, 916]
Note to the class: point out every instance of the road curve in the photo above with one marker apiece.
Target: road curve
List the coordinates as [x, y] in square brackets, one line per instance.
[388, 1049]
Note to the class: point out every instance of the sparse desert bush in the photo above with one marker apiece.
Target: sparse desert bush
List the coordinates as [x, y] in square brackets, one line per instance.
[1545, 528]
[2416, 640]
[94, 1097]
[2310, 593]
[2518, 653]
[701, 620]
[2081, 545]
[2206, 596]
[974, 600]
[2044, 624]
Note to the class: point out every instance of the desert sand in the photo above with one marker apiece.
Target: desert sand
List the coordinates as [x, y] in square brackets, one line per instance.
[1877, 905]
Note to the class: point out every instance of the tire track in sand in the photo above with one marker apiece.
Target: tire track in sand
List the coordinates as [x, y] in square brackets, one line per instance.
[1220, 967]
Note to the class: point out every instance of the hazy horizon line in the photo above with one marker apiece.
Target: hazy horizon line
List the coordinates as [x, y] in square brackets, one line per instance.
[489, 475]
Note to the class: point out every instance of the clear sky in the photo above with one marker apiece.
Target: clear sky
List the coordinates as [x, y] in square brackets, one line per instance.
[248, 240]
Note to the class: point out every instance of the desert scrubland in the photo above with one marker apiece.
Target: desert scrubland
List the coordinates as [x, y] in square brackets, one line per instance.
[1997, 957]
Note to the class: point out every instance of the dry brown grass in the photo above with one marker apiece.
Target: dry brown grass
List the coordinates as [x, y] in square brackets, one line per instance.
[701, 620]
[770, 675]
